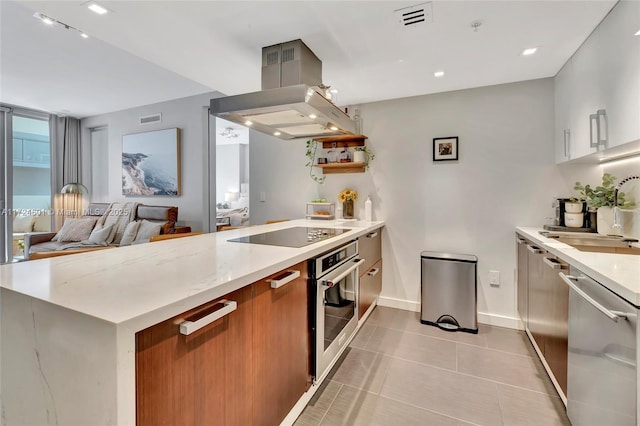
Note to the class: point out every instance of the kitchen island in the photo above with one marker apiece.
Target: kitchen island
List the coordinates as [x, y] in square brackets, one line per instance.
[69, 324]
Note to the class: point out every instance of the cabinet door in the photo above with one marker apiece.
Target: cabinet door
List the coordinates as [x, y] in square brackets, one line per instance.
[523, 280]
[619, 60]
[370, 287]
[538, 295]
[557, 334]
[562, 104]
[585, 93]
[203, 378]
[281, 344]
[370, 249]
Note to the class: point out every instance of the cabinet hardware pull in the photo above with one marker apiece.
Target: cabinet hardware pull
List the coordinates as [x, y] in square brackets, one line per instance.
[534, 249]
[291, 275]
[372, 234]
[593, 118]
[330, 282]
[603, 131]
[373, 272]
[612, 315]
[567, 138]
[554, 264]
[188, 327]
[520, 240]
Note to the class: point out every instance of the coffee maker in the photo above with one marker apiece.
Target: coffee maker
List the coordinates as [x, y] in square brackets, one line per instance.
[560, 211]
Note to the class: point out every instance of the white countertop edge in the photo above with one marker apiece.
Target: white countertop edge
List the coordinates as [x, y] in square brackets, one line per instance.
[138, 319]
[620, 273]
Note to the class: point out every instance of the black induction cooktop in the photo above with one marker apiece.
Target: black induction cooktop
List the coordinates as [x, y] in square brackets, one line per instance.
[299, 236]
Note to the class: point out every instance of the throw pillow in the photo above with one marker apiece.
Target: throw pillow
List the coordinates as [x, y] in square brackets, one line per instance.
[130, 233]
[146, 230]
[42, 223]
[99, 235]
[75, 230]
[23, 223]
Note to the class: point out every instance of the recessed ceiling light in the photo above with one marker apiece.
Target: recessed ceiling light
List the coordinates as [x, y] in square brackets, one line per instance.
[276, 133]
[529, 51]
[438, 73]
[334, 90]
[83, 35]
[638, 33]
[248, 123]
[95, 7]
[46, 20]
[313, 116]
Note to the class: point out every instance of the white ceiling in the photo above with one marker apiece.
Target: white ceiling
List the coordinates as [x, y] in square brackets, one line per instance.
[148, 51]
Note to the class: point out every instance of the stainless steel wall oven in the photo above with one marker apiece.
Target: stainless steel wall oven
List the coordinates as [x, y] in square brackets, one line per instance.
[333, 305]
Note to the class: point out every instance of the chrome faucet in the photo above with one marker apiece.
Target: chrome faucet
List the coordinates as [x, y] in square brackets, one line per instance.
[616, 224]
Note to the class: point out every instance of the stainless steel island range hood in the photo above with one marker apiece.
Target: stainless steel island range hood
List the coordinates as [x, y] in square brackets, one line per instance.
[291, 104]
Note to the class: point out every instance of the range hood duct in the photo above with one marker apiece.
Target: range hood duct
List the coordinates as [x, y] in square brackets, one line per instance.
[291, 104]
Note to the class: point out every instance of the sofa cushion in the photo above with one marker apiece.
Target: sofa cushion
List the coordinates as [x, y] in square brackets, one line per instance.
[99, 235]
[146, 230]
[42, 223]
[23, 223]
[75, 230]
[130, 233]
[46, 246]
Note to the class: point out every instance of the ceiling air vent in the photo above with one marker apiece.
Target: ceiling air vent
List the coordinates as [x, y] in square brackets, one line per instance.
[414, 16]
[150, 119]
[288, 54]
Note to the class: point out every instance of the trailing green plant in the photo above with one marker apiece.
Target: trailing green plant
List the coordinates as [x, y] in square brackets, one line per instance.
[370, 155]
[312, 147]
[602, 195]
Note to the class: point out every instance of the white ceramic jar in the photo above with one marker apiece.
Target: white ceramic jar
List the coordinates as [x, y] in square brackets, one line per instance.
[573, 220]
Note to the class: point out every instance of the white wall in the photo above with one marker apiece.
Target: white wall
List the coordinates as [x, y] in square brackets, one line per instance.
[506, 177]
[190, 116]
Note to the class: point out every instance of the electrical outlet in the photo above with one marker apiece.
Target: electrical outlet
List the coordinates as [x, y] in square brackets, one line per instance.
[494, 278]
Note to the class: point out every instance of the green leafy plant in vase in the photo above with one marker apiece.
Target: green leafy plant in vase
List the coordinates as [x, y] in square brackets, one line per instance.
[364, 155]
[601, 199]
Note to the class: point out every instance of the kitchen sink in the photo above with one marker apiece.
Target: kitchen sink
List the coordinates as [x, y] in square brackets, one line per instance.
[596, 242]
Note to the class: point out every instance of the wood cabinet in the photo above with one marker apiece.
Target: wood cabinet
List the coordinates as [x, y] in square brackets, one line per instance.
[370, 249]
[248, 367]
[523, 280]
[597, 91]
[201, 378]
[281, 349]
[547, 307]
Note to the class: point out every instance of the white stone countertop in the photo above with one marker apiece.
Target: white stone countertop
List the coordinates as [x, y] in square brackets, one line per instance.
[139, 286]
[620, 273]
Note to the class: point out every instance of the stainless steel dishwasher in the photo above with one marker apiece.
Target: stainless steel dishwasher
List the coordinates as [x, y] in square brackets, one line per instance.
[602, 362]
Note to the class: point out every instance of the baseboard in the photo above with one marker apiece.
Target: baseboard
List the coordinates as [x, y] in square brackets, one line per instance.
[405, 305]
[483, 318]
[500, 321]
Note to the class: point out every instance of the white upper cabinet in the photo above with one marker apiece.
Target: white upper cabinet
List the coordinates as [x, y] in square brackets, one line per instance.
[597, 93]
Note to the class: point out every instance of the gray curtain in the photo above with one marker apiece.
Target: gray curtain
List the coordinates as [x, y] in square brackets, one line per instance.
[66, 161]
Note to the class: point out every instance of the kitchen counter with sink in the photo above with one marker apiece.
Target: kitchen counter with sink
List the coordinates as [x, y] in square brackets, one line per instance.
[90, 306]
[613, 262]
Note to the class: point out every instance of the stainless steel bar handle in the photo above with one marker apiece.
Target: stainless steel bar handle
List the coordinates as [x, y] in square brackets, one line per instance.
[603, 131]
[373, 272]
[293, 274]
[188, 327]
[593, 118]
[612, 315]
[372, 234]
[567, 139]
[330, 282]
[521, 241]
[554, 264]
[534, 249]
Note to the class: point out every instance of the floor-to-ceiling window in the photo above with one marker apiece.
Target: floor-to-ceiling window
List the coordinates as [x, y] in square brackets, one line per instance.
[26, 181]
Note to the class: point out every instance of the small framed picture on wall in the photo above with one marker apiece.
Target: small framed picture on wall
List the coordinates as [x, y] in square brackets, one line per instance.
[445, 149]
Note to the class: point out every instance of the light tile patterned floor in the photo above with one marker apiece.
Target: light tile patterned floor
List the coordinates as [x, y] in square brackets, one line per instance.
[400, 372]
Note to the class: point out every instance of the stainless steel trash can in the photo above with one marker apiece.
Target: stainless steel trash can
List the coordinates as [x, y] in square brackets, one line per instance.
[449, 291]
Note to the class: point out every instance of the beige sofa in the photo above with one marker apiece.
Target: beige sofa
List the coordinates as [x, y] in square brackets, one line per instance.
[166, 216]
[28, 221]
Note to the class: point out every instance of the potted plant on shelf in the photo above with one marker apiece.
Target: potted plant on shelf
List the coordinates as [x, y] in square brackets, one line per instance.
[312, 147]
[362, 154]
[601, 199]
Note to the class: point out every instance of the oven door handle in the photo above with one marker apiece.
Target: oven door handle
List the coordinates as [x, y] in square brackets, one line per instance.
[330, 282]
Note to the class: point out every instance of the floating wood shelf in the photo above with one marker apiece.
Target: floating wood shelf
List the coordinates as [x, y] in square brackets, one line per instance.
[351, 167]
[342, 141]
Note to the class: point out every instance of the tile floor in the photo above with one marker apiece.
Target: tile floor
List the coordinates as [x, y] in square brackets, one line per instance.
[400, 372]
